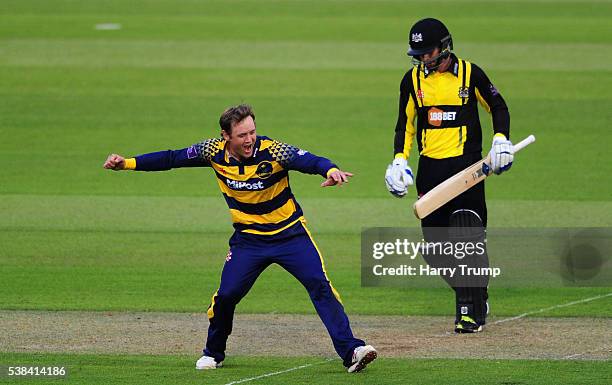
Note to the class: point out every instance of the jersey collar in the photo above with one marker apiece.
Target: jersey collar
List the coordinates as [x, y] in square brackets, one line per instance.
[452, 68]
[454, 65]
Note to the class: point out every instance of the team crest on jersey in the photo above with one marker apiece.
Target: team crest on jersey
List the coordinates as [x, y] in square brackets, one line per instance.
[420, 94]
[264, 170]
[464, 92]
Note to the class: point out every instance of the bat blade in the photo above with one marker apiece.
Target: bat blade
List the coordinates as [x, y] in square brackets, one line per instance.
[458, 183]
[452, 187]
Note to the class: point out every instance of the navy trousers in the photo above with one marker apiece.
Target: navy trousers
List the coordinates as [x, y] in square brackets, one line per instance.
[249, 257]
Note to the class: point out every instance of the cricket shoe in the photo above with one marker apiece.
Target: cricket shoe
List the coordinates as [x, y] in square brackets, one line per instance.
[362, 356]
[467, 325]
[206, 362]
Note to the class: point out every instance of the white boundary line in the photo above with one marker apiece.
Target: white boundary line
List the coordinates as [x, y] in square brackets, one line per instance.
[280, 372]
[550, 308]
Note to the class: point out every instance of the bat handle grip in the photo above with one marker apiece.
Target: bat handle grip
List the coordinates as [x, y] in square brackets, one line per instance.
[524, 143]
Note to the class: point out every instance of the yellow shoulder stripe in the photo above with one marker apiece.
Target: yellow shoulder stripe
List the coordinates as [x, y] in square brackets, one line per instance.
[265, 143]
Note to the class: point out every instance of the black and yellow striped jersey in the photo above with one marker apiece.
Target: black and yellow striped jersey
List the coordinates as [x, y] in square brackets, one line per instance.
[445, 106]
[257, 189]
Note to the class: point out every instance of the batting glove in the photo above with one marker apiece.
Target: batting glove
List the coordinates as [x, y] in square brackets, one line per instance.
[502, 154]
[398, 177]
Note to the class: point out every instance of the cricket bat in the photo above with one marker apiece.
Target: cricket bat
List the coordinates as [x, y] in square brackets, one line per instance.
[460, 182]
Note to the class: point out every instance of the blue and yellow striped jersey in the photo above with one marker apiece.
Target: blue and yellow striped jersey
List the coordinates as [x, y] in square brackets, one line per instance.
[257, 189]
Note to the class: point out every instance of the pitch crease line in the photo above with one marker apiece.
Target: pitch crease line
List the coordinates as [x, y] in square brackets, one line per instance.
[279, 372]
[550, 308]
[608, 348]
[523, 315]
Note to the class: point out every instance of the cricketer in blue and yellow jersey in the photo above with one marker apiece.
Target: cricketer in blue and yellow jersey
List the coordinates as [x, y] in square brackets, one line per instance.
[257, 189]
[253, 175]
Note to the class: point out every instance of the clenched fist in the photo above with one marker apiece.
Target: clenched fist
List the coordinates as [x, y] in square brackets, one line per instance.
[115, 162]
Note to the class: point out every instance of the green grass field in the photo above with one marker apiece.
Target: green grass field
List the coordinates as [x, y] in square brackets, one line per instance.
[178, 369]
[322, 75]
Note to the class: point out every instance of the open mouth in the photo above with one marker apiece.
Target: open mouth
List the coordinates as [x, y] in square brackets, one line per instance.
[247, 149]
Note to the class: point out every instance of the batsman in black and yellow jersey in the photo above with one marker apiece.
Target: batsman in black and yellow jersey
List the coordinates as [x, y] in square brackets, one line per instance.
[253, 176]
[442, 92]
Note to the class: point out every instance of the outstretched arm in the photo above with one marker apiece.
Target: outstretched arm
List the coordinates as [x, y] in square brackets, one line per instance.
[292, 158]
[336, 177]
[157, 161]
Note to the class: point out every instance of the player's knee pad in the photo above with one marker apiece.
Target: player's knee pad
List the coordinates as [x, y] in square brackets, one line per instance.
[466, 225]
[468, 236]
[432, 251]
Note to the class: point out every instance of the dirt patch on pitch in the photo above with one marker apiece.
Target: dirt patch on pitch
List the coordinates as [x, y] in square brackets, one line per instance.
[301, 335]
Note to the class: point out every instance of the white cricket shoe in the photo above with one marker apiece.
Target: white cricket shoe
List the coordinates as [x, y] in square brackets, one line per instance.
[362, 356]
[206, 362]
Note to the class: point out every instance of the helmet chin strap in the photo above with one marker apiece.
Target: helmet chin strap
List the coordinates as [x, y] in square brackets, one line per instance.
[436, 61]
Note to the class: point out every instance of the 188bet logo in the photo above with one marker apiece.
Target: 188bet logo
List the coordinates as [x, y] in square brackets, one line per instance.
[435, 116]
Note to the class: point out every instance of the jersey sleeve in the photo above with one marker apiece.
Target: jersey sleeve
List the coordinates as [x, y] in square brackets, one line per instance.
[198, 155]
[293, 158]
[492, 101]
[404, 128]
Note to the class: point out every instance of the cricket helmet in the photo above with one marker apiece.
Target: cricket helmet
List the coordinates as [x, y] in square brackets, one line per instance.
[426, 35]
